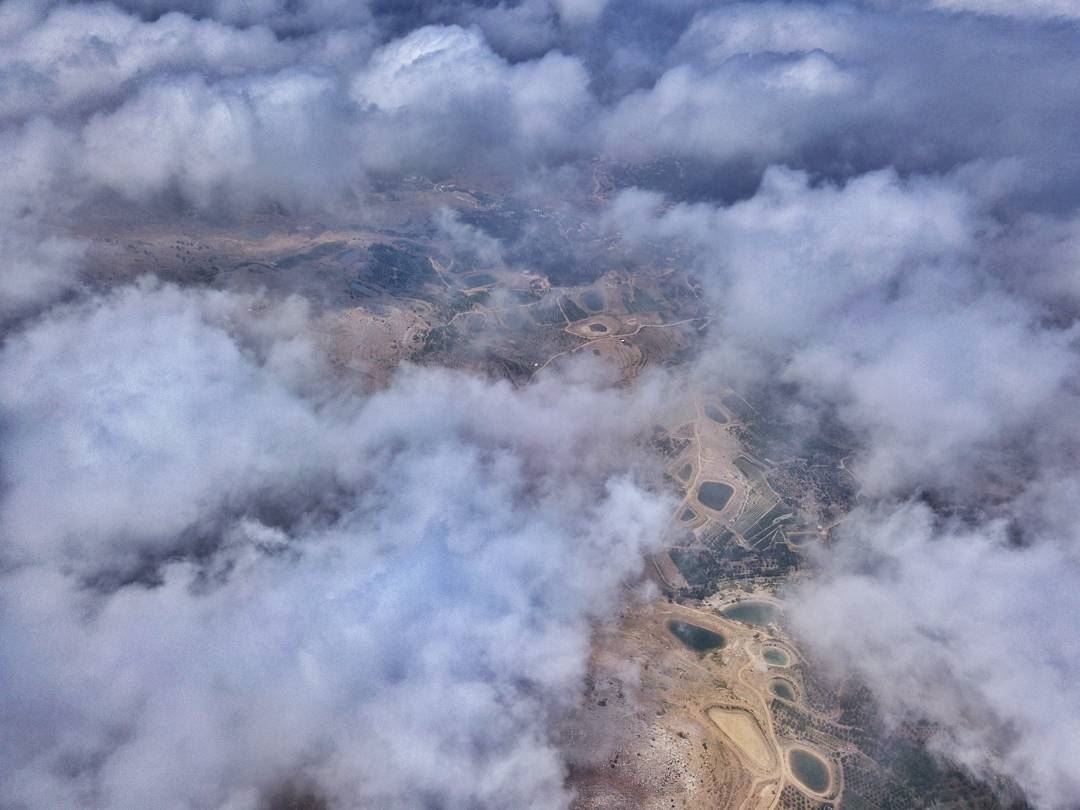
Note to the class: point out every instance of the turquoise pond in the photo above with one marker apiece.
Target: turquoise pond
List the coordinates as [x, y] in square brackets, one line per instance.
[752, 612]
[810, 769]
[775, 656]
[782, 688]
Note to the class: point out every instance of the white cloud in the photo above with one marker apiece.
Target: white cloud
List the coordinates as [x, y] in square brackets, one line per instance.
[386, 594]
[580, 12]
[759, 108]
[897, 305]
[442, 90]
[874, 298]
[966, 631]
[79, 55]
[1038, 9]
[916, 279]
[741, 29]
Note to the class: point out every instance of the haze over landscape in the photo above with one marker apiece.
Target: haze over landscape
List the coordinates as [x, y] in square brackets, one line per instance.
[396, 399]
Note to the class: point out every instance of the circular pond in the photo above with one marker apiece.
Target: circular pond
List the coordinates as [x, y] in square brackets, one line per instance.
[775, 657]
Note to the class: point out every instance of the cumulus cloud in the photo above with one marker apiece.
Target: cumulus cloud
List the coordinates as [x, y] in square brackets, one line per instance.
[886, 222]
[876, 298]
[36, 263]
[1045, 9]
[715, 36]
[440, 93]
[95, 99]
[79, 56]
[384, 595]
[288, 17]
[37, 266]
[579, 12]
[265, 138]
[759, 108]
[896, 305]
[841, 90]
[967, 630]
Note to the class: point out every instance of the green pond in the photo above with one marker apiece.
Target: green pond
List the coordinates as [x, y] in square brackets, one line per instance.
[684, 473]
[597, 327]
[687, 514]
[593, 300]
[751, 612]
[716, 414]
[810, 769]
[714, 494]
[696, 638]
[782, 688]
[775, 656]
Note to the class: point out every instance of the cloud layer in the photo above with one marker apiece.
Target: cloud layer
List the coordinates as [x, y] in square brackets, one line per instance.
[968, 631]
[223, 573]
[221, 580]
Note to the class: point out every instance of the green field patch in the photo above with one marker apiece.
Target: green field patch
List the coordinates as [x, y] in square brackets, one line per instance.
[572, 310]
[547, 312]
[637, 301]
[768, 524]
[738, 406]
[397, 270]
[322, 251]
[716, 414]
[751, 469]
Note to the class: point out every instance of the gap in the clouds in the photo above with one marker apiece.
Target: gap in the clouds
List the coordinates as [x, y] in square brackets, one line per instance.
[862, 216]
